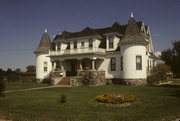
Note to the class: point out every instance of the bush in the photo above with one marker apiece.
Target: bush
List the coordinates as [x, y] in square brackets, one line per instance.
[158, 73]
[2, 86]
[63, 99]
[114, 98]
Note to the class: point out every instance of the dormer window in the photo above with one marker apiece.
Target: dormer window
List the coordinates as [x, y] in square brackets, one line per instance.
[111, 42]
[90, 42]
[58, 46]
[68, 45]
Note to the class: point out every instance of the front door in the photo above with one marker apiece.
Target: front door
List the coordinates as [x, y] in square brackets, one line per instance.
[73, 69]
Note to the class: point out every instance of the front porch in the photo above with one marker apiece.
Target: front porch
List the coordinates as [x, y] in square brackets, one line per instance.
[81, 71]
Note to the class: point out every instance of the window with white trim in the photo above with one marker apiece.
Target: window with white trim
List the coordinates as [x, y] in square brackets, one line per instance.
[82, 44]
[45, 67]
[138, 62]
[111, 42]
[90, 42]
[121, 63]
[75, 44]
[113, 64]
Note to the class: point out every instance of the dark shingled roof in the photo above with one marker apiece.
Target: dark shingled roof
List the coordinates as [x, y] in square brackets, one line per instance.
[129, 32]
[115, 28]
[45, 43]
[133, 34]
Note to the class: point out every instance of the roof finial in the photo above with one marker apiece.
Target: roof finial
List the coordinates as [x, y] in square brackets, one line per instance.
[45, 30]
[131, 14]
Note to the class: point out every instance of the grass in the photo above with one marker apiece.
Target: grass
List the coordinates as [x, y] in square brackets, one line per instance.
[154, 103]
[24, 85]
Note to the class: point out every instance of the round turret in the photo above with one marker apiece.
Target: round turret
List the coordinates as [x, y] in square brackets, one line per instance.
[43, 63]
[133, 55]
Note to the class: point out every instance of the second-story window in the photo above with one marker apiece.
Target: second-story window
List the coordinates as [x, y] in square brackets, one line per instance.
[75, 44]
[90, 42]
[68, 45]
[82, 44]
[45, 68]
[59, 47]
[111, 42]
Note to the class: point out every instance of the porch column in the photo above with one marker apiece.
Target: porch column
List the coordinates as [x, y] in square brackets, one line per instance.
[80, 65]
[93, 64]
[52, 65]
[61, 65]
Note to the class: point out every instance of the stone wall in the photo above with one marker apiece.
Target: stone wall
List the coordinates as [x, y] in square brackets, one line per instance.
[92, 77]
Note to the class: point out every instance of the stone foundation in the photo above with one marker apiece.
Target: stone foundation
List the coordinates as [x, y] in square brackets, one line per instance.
[135, 82]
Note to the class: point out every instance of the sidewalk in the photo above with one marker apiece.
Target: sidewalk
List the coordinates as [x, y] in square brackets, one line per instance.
[37, 88]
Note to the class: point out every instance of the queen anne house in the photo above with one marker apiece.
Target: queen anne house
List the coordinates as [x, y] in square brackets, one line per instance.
[122, 52]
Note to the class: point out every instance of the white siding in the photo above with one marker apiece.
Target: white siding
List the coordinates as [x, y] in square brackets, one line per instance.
[40, 59]
[106, 66]
[129, 53]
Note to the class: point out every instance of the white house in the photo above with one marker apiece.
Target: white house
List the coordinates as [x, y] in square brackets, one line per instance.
[123, 52]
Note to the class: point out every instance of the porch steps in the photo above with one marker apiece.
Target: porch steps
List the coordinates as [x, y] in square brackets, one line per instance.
[64, 81]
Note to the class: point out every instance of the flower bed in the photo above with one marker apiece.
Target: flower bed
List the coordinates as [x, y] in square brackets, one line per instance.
[115, 98]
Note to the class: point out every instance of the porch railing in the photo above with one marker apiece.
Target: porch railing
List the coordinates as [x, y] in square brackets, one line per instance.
[78, 51]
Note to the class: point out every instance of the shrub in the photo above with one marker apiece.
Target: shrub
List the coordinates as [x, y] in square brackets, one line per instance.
[114, 98]
[2, 86]
[158, 73]
[63, 98]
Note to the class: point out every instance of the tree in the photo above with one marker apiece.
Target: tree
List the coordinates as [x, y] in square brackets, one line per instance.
[18, 70]
[2, 85]
[31, 68]
[171, 57]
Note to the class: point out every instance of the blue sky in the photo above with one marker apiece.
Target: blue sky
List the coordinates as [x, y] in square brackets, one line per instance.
[22, 22]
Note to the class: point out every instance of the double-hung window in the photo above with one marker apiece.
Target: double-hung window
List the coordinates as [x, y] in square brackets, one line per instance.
[45, 67]
[90, 42]
[111, 42]
[121, 63]
[82, 44]
[75, 44]
[138, 62]
[113, 64]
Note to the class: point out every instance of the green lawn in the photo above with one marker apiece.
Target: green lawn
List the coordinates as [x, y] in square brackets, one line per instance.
[155, 103]
[24, 85]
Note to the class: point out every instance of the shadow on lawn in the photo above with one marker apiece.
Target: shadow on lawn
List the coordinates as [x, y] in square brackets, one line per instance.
[175, 93]
[169, 86]
[175, 89]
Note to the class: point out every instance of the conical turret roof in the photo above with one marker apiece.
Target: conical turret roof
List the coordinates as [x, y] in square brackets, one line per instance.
[133, 35]
[45, 43]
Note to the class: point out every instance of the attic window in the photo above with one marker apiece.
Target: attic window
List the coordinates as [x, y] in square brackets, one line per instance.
[111, 42]
[147, 32]
[90, 42]
[142, 29]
